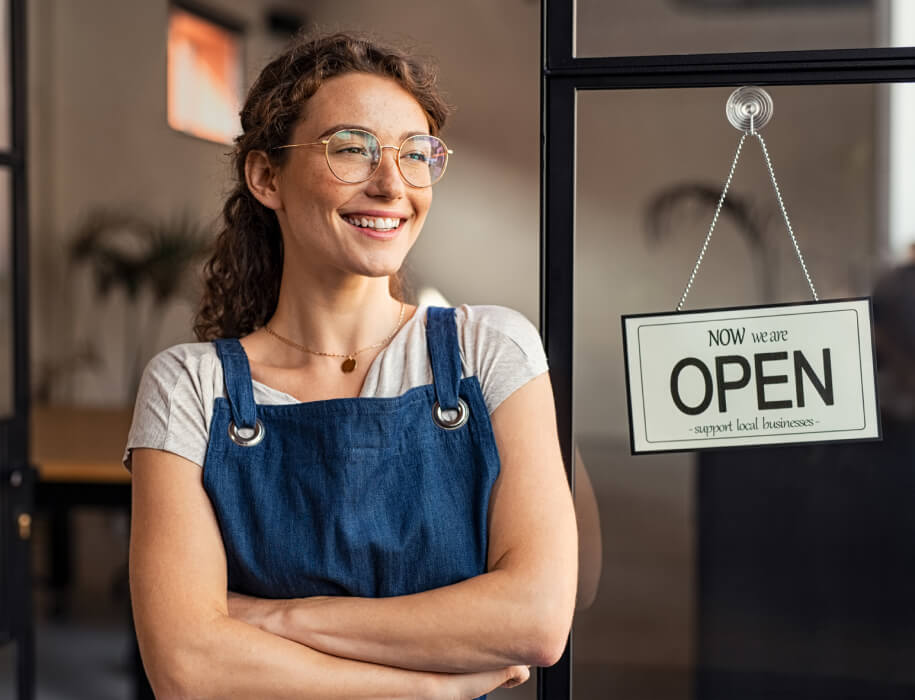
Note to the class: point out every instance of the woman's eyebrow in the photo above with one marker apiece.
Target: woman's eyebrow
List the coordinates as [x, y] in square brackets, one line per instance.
[341, 127]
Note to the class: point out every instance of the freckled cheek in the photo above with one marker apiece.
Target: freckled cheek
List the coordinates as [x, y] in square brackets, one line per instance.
[421, 207]
[417, 230]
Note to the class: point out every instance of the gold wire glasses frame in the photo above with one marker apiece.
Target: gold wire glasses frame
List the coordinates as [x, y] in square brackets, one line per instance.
[343, 166]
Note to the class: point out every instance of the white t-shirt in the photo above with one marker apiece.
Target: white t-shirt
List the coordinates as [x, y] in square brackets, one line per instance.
[175, 400]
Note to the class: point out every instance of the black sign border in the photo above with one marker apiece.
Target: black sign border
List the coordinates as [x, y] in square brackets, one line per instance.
[870, 310]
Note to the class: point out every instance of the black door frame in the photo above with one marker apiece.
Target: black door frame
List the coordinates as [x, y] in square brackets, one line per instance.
[562, 76]
[16, 475]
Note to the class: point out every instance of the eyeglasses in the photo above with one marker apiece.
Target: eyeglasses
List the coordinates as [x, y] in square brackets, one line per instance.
[353, 156]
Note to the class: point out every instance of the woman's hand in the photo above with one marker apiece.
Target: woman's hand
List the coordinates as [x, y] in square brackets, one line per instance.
[267, 613]
[517, 676]
[248, 609]
[466, 686]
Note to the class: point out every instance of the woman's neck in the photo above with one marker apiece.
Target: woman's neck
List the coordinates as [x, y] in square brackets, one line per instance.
[336, 319]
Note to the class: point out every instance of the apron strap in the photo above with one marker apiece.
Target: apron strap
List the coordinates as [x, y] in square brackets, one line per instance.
[444, 354]
[237, 375]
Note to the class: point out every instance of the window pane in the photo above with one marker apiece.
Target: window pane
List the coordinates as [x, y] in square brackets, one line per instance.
[651, 27]
[727, 572]
[204, 77]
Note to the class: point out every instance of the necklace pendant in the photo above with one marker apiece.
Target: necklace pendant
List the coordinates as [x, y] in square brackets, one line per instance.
[348, 365]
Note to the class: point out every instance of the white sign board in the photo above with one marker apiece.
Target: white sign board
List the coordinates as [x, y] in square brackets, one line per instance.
[761, 375]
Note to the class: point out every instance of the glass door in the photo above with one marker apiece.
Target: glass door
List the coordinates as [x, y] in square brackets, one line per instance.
[728, 570]
[771, 572]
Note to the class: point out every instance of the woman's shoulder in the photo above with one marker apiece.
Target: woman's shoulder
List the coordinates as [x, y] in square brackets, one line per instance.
[186, 371]
[492, 315]
[183, 358]
[501, 347]
[173, 403]
[491, 324]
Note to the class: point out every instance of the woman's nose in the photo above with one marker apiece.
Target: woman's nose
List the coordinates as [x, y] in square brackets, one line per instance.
[387, 179]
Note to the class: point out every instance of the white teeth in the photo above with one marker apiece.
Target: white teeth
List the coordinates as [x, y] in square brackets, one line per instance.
[377, 223]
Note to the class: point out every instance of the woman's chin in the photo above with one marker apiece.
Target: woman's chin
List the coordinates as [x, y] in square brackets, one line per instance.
[382, 267]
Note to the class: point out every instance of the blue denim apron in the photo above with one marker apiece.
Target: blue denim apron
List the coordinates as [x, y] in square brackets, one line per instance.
[364, 497]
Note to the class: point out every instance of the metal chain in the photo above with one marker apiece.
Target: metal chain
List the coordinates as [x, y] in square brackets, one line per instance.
[781, 204]
[708, 237]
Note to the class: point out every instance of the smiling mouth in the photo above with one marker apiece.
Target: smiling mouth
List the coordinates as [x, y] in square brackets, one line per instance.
[374, 223]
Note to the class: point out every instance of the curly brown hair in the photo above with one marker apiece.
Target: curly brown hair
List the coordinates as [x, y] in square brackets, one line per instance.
[242, 277]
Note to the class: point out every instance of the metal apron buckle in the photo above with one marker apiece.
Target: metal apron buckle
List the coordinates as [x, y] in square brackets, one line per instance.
[247, 440]
[461, 418]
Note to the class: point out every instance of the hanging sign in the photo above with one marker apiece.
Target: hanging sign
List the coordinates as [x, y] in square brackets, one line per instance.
[760, 375]
[763, 375]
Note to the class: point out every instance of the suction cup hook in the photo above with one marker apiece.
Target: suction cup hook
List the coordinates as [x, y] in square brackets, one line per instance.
[749, 109]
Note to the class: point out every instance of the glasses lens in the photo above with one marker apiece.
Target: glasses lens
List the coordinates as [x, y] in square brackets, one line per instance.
[353, 155]
[423, 159]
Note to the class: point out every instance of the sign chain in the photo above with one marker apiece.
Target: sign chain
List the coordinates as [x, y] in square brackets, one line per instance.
[711, 230]
[781, 204]
[724, 192]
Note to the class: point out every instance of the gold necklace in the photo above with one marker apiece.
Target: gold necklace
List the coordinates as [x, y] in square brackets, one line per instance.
[349, 363]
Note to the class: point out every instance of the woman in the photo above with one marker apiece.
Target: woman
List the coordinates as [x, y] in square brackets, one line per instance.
[382, 509]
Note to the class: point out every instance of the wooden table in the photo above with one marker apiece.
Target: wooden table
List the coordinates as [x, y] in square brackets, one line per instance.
[79, 445]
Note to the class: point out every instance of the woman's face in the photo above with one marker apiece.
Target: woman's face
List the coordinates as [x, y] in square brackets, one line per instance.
[320, 216]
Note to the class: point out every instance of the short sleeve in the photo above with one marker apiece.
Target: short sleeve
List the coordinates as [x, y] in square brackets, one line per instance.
[502, 348]
[170, 411]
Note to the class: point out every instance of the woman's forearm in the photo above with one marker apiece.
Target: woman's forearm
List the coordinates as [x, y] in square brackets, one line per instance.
[226, 658]
[486, 622]
[231, 659]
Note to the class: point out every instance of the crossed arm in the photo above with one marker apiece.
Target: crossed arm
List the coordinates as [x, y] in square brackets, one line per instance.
[457, 641]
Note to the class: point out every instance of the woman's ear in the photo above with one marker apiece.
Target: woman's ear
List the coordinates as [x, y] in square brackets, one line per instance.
[261, 177]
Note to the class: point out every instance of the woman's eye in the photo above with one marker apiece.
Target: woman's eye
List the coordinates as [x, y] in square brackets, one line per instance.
[416, 156]
[353, 150]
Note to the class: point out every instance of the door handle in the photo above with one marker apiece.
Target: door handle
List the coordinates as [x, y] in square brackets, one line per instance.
[24, 521]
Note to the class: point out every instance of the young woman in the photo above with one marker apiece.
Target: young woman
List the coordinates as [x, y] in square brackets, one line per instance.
[338, 494]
